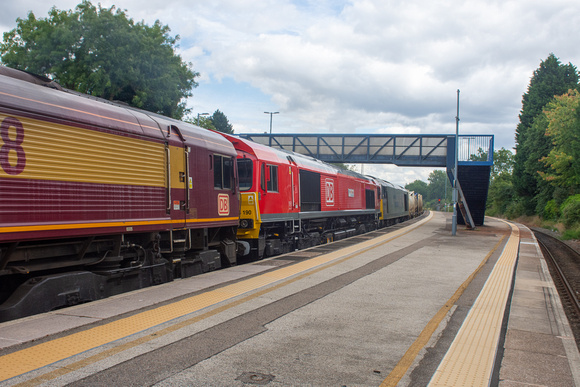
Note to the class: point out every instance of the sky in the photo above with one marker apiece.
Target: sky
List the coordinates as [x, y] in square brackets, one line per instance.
[359, 66]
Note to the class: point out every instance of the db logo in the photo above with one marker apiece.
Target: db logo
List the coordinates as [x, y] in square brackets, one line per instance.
[329, 192]
[223, 204]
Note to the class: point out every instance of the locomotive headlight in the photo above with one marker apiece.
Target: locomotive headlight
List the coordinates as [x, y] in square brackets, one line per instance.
[246, 223]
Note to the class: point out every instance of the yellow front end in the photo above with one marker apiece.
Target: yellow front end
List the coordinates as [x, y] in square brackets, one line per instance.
[382, 209]
[250, 219]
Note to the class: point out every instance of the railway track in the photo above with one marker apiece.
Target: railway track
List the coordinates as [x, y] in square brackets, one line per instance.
[564, 264]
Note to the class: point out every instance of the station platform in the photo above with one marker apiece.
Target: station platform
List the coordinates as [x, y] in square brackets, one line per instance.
[407, 306]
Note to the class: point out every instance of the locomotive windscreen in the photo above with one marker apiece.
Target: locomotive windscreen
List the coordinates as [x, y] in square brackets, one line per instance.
[245, 167]
[309, 191]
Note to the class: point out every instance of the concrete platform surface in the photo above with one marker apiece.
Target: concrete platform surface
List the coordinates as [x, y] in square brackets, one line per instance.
[384, 312]
[539, 347]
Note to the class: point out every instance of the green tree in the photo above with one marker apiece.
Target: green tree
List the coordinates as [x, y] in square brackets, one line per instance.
[420, 187]
[480, 156]
[433, 191]
[437, 180]
[501, 193]
[550, 79]
[103, 52]
[539, 146]
[221, 123]
[201, 121]
[563, 128]
[503, 163]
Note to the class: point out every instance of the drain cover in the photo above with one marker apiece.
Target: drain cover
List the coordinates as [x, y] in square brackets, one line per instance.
[255, 378]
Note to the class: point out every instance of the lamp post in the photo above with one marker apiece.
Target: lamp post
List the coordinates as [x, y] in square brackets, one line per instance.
[200, 114]
[271, 113]
[455, 193]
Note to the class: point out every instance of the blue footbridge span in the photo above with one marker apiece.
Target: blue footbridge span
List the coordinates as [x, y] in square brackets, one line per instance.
[474, 158]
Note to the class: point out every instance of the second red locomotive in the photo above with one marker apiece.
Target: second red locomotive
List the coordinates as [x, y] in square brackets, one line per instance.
[290, 201]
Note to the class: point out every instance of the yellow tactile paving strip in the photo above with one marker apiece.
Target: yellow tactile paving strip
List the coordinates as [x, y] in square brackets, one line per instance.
[469, 361]
[38, 356]
[407, 360]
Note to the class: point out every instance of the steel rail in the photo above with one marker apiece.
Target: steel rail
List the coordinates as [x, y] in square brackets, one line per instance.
[567, 287]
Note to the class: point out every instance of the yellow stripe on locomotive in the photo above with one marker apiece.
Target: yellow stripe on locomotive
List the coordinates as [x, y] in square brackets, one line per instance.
[40, 150]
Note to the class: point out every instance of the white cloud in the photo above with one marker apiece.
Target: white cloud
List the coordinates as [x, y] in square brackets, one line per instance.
[360, 65]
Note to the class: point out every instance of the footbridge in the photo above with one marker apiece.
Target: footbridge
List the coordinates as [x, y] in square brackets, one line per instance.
[474, 158]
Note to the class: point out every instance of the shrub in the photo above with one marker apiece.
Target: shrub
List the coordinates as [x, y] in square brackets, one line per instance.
[571, 234]
[570, 210]
[551, 211]
[515, 210]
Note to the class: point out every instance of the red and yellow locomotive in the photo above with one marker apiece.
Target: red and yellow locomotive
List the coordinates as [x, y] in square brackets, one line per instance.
[290, 201]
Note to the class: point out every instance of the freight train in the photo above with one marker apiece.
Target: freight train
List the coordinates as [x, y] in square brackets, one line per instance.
[289, 201]
[97, 198]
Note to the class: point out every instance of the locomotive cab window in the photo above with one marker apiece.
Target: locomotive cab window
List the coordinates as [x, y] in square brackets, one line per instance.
[273, 182]
[263, 177]
[269, 178]
[223, 172]
[245, 172]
